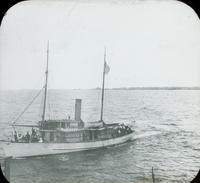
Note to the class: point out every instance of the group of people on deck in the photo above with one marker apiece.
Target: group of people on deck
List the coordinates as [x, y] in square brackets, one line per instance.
[122, 130]
[33, 137]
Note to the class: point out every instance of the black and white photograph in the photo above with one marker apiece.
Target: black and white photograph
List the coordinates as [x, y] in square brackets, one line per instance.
[102, 91]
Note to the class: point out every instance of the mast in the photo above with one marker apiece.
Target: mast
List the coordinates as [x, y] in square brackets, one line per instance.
[102, 95]
[45, 87]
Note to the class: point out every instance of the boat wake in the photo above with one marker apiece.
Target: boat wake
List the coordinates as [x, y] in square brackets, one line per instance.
[145, 135]
[64, 157]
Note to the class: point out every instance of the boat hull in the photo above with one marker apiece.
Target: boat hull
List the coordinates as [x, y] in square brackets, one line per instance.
[41, 149]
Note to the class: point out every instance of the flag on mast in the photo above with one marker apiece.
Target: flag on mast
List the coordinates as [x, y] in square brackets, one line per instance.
[106, 68]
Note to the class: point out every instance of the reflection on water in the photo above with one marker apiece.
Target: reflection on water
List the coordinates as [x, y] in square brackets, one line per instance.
[166, 136]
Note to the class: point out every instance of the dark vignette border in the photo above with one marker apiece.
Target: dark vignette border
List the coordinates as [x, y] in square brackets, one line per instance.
[6, 4]
[2, 178]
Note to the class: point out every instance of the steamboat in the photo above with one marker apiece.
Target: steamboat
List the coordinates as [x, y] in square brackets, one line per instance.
[61, 136]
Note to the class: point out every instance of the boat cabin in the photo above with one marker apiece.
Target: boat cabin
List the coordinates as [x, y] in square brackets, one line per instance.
[75, 130]
[72, 135]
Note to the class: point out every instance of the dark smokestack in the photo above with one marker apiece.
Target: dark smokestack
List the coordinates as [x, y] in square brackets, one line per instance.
[78, 110]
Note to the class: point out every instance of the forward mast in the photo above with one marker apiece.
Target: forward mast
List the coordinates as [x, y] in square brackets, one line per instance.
[45, 86]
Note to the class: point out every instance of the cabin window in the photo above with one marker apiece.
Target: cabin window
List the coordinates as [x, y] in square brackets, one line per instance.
[63, 125]
[95, 134]
[43, 135]
[90, 135]
[51, 136]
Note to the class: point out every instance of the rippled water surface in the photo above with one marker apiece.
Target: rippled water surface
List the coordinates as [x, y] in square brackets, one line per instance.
[167, 136]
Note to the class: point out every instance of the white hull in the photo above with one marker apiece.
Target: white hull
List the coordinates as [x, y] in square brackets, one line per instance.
[41, 149]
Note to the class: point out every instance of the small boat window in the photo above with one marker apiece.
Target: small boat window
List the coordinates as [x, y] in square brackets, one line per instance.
[95, 135]
[63, 125]
[51, 136]
[90, 135]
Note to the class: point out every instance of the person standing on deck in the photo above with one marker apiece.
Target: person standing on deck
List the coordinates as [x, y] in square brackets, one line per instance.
[28, 137]
[15, 136]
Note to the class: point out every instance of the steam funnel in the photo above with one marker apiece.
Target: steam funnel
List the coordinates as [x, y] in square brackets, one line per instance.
[78, 110]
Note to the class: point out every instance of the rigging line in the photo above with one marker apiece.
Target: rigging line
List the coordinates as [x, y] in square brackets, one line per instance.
[49, 106]
[96, 104]
[49, 112]
[54, 105]
[41, 105]
[40, 108]
[27, 106]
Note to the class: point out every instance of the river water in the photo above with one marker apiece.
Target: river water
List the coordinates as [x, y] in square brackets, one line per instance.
[167, 136]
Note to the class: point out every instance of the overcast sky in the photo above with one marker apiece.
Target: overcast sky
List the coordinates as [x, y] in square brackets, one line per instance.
[148, 43]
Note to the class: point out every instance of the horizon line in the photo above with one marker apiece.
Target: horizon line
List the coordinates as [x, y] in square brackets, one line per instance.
[115, 88]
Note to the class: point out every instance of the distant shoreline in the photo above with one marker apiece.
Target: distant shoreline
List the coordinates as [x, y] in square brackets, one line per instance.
[121, 88]
[152, 88]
